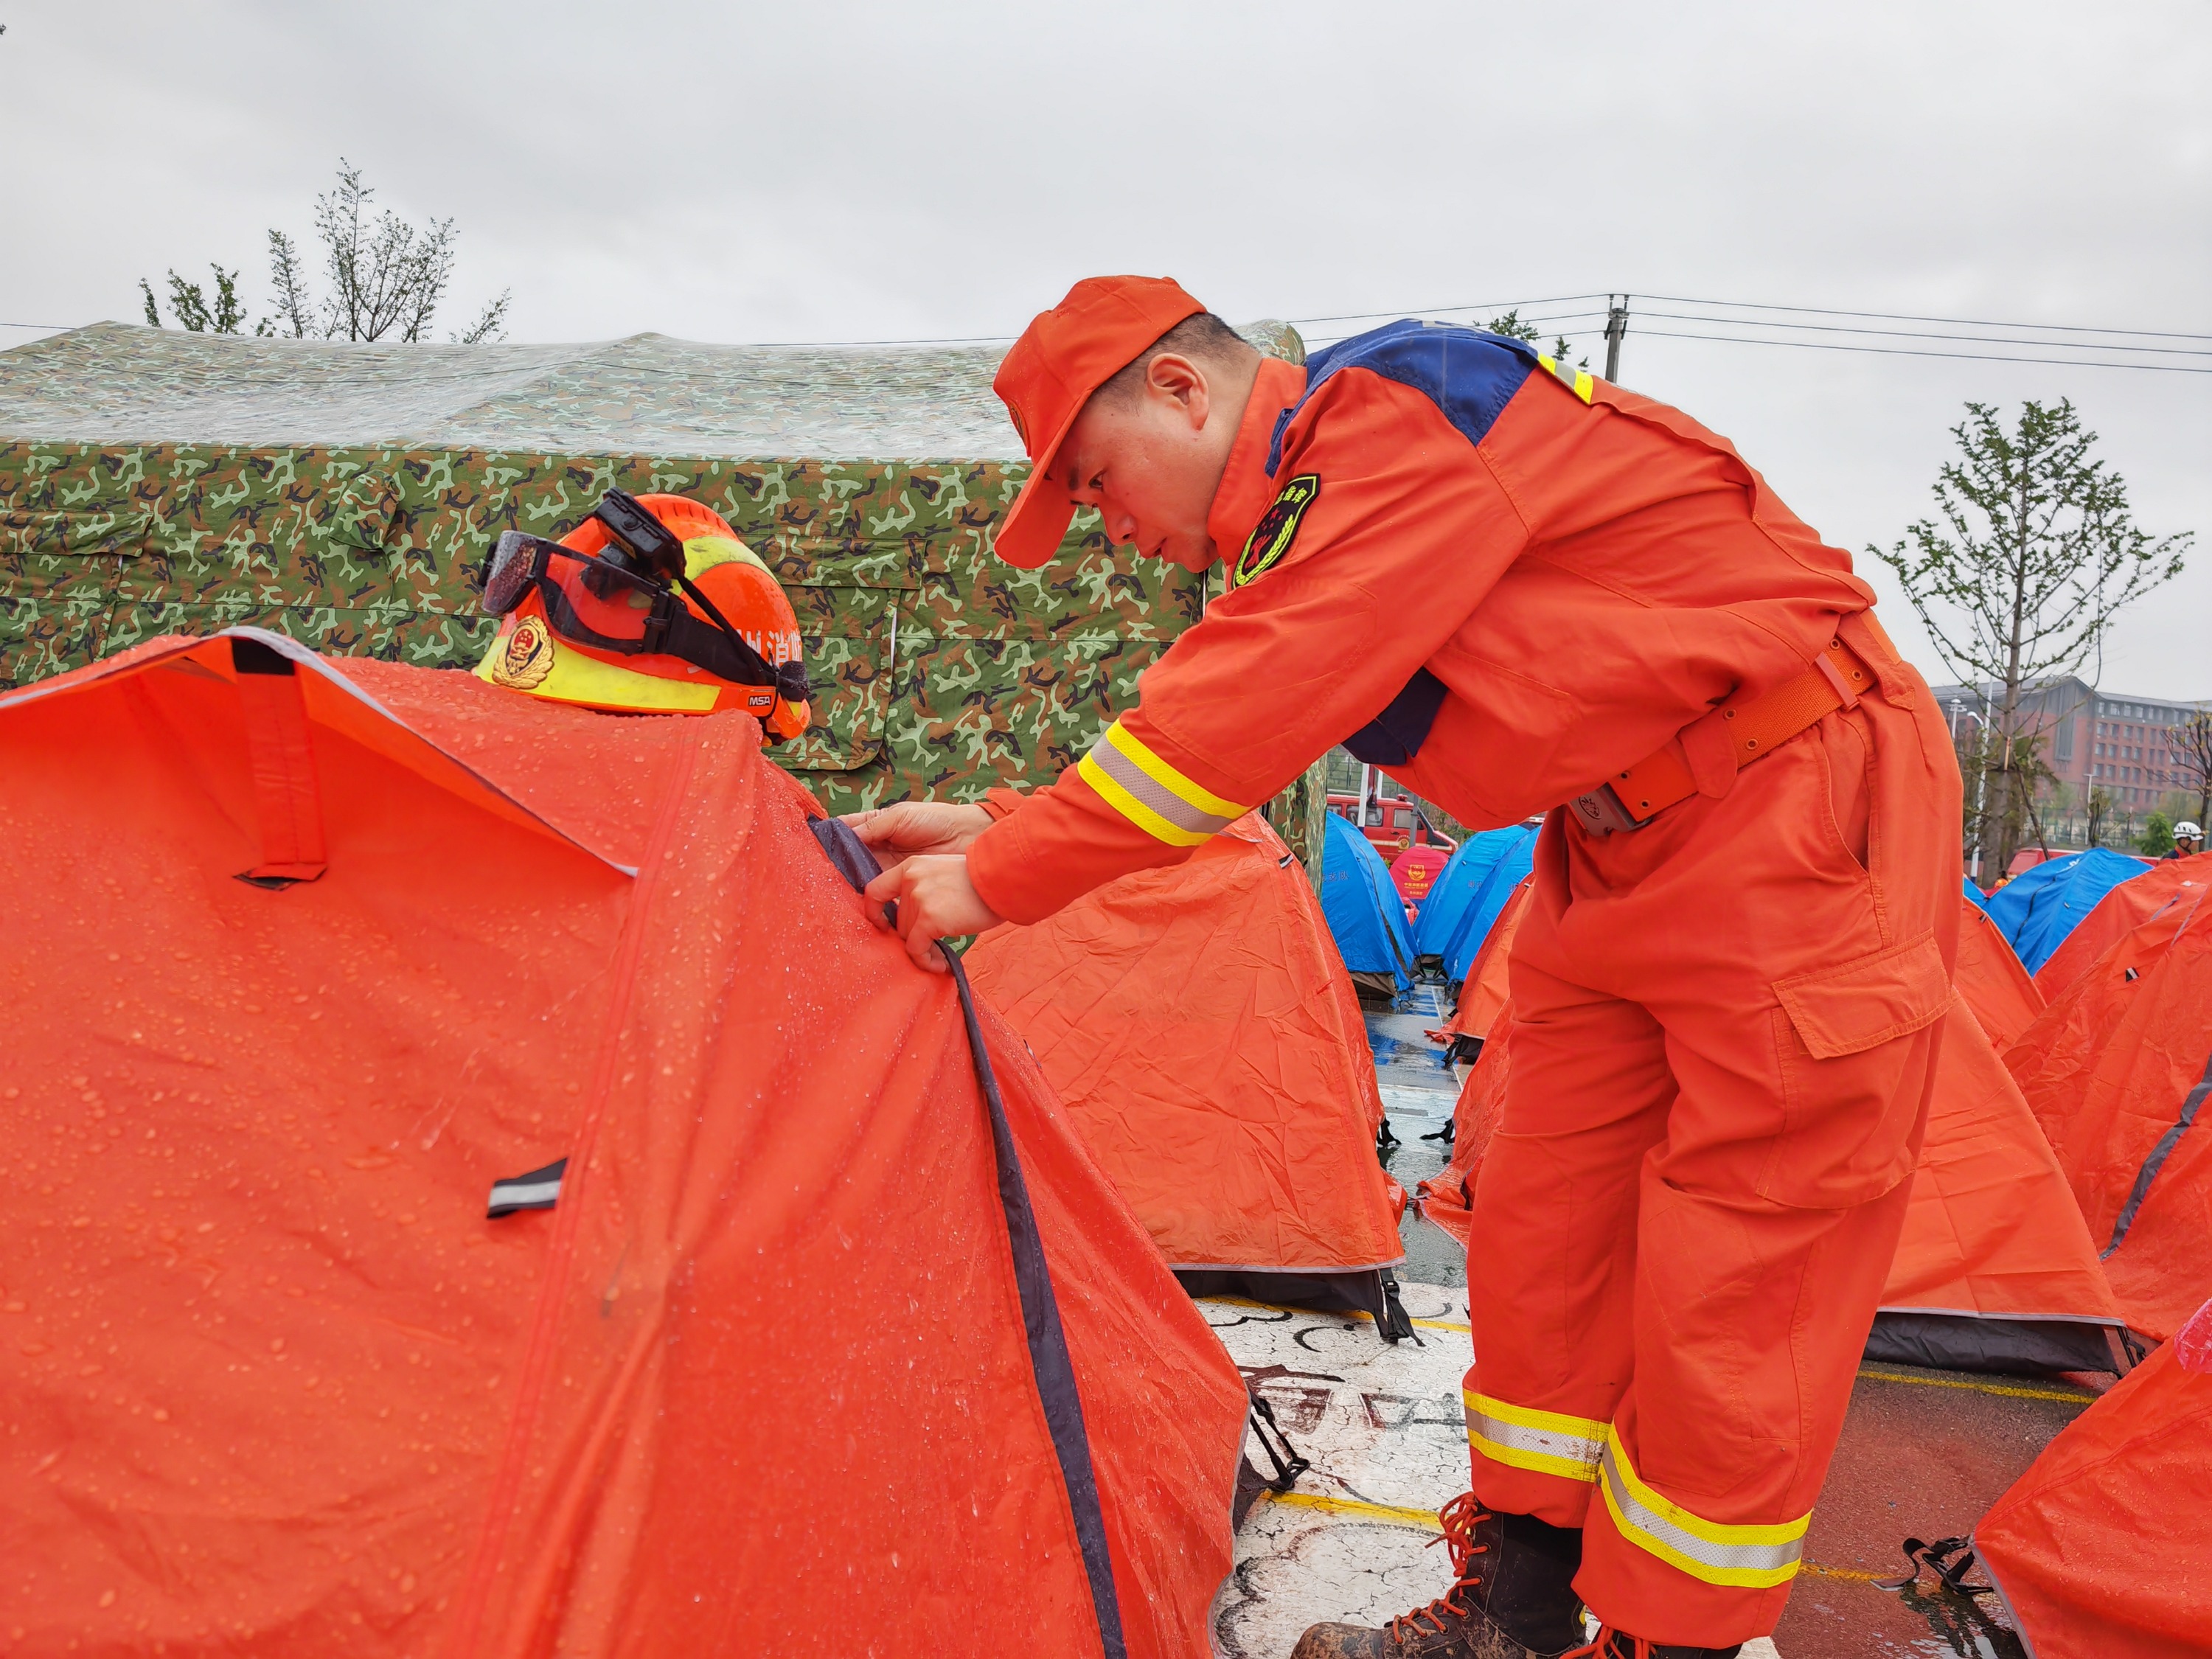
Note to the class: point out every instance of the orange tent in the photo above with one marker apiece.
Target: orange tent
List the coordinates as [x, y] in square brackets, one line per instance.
[2117, 1070]
[1208, 1043]
[2118, 913]
[1482, 994]
[2099, 1549]
[1446, 1197]
[1993, 1270]
[1991, 979]
[831, 1324]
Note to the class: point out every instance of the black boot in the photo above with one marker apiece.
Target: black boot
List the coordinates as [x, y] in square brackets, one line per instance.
[1513, 1597]
[1618, 1644]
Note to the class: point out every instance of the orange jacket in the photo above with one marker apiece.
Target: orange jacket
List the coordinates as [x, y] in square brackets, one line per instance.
[1569, 572]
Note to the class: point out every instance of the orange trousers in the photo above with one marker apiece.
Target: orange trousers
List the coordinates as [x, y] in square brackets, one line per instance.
[1724, 1039]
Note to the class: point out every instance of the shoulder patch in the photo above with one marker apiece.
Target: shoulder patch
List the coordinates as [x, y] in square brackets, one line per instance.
[1278, 528]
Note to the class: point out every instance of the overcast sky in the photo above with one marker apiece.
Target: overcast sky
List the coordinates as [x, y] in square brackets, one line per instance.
[811, 172]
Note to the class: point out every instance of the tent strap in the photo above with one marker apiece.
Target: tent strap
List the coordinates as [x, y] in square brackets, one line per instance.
[287, 798]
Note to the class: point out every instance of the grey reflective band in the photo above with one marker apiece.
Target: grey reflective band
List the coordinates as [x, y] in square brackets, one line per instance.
[1716, 1562]
[1549, 1451]
[539, 1190]
[1151, 791]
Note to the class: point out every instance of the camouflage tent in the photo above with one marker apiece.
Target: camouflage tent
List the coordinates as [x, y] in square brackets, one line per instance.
[152, 482]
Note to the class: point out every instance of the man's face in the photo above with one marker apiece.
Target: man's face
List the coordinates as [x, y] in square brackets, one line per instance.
[1151, 461]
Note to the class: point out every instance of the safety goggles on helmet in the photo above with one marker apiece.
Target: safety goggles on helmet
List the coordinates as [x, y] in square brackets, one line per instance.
[522, 564]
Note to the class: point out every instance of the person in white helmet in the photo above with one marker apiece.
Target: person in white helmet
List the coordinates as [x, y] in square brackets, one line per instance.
[2188, 840]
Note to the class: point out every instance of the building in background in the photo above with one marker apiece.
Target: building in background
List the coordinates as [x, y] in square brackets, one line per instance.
[2093, 740]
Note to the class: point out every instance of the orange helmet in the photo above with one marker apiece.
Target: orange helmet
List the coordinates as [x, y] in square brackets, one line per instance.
[651, 606]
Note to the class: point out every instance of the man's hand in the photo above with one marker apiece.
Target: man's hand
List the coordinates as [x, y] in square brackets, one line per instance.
[935, 901]
[917, 829]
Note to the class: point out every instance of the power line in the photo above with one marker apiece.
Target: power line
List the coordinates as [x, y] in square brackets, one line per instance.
[1909, 317]
[1924, 334]
[1496, 308]
[954, 339]
[1906, 351]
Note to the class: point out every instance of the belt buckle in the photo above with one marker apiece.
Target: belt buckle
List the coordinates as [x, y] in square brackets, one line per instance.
[1601, 812]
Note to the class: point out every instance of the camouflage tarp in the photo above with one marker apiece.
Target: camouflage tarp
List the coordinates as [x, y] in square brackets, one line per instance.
[158, 483]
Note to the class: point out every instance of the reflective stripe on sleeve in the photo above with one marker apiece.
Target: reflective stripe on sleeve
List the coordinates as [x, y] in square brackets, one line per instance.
[1576, 380]
[1746, 1557]
[1152, 794]
[1525, 1438]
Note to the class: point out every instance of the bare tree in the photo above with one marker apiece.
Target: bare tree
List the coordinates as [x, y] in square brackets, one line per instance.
[386, 275]
[386, 278]
[2100, 812]
[296, 305]
[189, 304]
[2018, 578]
[2190, 744]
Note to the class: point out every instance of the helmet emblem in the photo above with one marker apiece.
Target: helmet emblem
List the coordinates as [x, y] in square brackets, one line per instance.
[525, 657]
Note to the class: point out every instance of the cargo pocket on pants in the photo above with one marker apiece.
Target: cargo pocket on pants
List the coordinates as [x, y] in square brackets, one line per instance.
[1855, 1058]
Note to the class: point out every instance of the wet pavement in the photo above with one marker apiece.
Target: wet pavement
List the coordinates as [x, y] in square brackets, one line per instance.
[1417, 1096]
[1923, 1453]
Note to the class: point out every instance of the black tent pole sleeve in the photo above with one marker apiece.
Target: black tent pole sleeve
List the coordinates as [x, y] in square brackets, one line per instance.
[1048, 1355]
[1049, 1360]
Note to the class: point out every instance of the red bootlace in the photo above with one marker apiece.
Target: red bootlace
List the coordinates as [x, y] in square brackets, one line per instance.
[1458, 1519]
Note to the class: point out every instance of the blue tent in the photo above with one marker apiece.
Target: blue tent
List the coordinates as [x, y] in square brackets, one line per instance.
[1464, 902]
[1445, 908]
[1980, 898]
[2037, 908]
[1362, 904]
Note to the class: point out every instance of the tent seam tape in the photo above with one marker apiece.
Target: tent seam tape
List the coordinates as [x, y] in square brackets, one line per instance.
[537, 1364]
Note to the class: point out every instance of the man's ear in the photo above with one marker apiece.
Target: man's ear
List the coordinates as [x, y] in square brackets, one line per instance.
[1182, 382]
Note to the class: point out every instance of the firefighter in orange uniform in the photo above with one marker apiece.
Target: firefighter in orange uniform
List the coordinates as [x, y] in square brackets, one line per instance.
[1729, 983]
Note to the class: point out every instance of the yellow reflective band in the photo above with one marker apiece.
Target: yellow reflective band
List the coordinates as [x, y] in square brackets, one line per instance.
[1152, 794]
[1576, 380]
[1523, 1437]
[1744, 1557]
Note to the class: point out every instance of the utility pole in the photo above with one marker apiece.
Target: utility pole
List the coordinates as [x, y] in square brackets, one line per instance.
[1616, 329]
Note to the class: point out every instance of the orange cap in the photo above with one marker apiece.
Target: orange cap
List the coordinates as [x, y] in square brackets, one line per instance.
[1063, 356]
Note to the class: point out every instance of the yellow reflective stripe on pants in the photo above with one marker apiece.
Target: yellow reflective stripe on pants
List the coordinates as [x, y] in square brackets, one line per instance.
[1152, 794]
[1744, 1557]
[1576, 380]
[1523, 1437]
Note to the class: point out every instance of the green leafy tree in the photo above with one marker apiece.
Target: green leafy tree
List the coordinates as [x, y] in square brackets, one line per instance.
[189, 304]
[384, 278]
[2032, 552]
[2157, 838]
